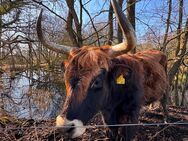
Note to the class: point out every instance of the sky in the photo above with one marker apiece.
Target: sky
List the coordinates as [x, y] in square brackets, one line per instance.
[150, 14]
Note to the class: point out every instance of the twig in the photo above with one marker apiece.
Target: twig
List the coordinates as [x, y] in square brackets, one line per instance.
[36, 131]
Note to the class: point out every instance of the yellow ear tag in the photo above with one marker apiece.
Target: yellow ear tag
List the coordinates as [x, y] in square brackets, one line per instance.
[120, 80]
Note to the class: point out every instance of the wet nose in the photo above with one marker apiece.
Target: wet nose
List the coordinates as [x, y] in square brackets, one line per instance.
[73, 129]
[69, 128]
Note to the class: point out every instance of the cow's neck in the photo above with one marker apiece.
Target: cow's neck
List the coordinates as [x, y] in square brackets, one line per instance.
[110, 106]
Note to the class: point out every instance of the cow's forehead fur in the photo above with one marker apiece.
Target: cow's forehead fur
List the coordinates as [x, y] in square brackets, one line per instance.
[85, 65]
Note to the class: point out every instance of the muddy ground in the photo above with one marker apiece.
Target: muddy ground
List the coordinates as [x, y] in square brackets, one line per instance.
[12, 129]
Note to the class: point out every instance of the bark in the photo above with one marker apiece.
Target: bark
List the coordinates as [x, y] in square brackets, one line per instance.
[1, 44]
[119, 32]
[69, 29]
[183, 100]
[167, 26]
[110, 21]
[79, 30]
[179, 28]
[185, 39]
[131, 12]
[174, 69]
[176, 91]
[72, 16]
[131, 15]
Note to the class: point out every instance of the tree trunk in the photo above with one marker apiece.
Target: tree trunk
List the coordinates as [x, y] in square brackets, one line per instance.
[183, 100]
[0, 36]
[69, 27]
[174, 69]
[176, 97]
[167, 26]
[179, 26]
[110, 21]
[72, 16]
[131, 15]
[119, 32]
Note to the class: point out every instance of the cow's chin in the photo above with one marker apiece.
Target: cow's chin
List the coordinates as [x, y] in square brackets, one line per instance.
[78, 124]
[79, 130]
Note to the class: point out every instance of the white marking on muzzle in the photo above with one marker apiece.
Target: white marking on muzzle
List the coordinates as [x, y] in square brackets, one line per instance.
[79, 128]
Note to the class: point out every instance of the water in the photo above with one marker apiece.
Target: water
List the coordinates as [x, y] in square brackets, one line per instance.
[32, 94]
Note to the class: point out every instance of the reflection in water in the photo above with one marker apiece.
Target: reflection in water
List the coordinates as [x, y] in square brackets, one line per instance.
[37, 94]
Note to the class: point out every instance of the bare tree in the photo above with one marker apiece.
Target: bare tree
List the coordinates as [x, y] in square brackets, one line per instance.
[131, 4]
[110, 29]
[119, 32]
[167, 26]
[72, 16]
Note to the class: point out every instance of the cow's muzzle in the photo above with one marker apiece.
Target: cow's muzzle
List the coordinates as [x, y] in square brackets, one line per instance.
[72, 129]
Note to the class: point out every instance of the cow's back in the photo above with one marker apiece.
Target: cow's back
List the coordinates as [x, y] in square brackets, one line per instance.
[153, 55]
[150, 66]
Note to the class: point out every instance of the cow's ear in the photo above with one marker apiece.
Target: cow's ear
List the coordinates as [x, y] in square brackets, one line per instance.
[121, 74]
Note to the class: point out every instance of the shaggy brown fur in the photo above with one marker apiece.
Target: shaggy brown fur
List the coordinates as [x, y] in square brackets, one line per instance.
[144, 74]
[86, 63]
[151, 65]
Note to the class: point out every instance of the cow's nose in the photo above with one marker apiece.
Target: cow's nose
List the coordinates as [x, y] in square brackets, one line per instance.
[69, 128]
[73, 129]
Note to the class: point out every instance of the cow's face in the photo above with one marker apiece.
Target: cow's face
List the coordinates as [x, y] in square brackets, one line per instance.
[86, 80]
[90, 77]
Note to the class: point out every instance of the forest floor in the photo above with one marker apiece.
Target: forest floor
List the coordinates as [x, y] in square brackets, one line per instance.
[30, 130]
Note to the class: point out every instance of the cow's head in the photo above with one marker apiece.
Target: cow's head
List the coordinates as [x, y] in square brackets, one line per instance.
[87, 75]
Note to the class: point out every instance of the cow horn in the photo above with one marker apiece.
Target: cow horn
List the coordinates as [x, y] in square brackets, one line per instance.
[50, 45]
[127, 29]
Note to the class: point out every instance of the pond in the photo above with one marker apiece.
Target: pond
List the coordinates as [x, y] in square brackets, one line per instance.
[32, 94]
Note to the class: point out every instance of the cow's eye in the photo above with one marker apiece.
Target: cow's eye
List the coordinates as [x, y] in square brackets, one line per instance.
[97, 83]
[74, 81]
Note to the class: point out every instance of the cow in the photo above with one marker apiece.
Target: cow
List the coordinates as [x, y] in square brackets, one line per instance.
[109, 80]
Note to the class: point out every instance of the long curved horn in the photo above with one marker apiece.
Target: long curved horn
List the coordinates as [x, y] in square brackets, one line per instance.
[50, 45]
[127, 29]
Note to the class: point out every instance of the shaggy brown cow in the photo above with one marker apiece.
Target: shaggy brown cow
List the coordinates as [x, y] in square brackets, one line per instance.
[108, 80]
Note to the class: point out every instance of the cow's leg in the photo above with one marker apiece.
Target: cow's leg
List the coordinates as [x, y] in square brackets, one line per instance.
[127, 133]
[110, 118]
[113, 134]
[164, 101]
